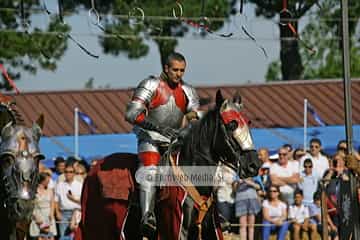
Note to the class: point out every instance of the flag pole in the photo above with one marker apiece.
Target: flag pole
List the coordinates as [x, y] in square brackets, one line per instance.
[76, 132]
[350, 224]
[305, 122]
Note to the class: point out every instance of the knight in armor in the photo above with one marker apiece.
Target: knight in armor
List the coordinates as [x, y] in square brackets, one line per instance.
[158, 109]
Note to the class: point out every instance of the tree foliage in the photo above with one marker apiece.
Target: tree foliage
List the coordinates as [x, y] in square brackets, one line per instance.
[291, 63]
[20, 51]
[160, 30]
[24, 48]
[324, 32]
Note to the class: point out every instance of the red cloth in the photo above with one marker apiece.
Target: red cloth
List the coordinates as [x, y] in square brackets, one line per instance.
[149, 158]
[103, 218]
[116, 183]
[170, 211]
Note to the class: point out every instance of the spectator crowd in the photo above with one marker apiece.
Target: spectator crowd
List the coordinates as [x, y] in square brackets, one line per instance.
[284, 199]
[57, 212]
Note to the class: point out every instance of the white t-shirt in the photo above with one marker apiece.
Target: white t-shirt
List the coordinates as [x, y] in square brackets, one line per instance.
[51, 184]
[320, 164]
[274, 211]
[290, 169]
[299, 213]
[224, 190]
[61, 190]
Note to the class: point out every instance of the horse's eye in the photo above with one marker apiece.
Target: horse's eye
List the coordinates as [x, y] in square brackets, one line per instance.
[7, 161]
[231, 126]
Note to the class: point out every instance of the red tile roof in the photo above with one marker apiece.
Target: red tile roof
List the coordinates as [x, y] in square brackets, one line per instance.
[278, 104]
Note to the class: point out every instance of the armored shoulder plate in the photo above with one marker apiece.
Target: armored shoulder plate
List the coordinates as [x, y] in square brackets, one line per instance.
[192, 96]
[144, 93]
[146, 89]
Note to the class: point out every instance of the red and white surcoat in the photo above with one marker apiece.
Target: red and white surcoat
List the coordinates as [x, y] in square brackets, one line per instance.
[154, 100]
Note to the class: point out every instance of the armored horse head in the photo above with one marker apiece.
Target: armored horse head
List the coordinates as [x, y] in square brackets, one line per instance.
[19, 168]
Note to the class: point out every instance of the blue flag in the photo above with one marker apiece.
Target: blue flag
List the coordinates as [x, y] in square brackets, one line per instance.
[86, 119]
[315, 115]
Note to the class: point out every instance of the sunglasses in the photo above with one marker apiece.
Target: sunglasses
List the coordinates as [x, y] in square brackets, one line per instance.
[69, 171]
[314, 146]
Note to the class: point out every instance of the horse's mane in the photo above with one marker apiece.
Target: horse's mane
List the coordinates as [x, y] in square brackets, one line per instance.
[8, 113]
[197, 143]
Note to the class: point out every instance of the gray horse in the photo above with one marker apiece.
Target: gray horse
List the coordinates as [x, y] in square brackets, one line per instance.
[19, 169]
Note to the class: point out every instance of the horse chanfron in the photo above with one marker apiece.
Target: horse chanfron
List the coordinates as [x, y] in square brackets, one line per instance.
[19, 161]
[238, 147]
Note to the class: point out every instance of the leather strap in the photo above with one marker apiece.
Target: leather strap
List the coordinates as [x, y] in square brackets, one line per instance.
[203, 204]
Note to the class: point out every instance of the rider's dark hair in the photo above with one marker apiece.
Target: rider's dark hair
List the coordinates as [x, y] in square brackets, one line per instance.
[175, 56]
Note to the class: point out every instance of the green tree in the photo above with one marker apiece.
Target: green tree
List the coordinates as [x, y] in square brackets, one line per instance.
[23, 48]
[290, 58]
[324, 32]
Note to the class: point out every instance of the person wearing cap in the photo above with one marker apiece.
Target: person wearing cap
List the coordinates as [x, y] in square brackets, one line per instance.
[263, 179]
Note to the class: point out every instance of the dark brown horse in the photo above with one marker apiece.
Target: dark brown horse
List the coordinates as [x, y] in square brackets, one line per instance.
[222, 135]
[19, 161]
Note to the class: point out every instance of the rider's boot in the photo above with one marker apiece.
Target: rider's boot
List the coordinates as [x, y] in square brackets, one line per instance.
[147, 203]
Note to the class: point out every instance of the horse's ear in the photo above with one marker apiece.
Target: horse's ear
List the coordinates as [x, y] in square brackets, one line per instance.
[41, 121]
[37, 132]
[219, 98]
[7, 131]
[237, 97]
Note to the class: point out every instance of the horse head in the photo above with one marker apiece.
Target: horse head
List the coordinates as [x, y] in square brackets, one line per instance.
[19, 162]
[234, 144]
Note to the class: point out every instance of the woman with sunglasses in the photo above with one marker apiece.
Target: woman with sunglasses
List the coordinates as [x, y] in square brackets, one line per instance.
[274, 215]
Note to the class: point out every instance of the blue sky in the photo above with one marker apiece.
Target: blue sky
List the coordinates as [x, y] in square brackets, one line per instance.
[211, 61]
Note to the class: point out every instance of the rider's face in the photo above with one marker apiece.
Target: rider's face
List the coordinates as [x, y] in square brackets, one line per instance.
[175, 71]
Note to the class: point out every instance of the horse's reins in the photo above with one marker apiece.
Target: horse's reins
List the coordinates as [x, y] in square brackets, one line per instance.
[203, 205]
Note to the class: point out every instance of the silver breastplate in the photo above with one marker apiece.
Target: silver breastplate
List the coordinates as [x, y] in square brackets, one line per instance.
[167, 115]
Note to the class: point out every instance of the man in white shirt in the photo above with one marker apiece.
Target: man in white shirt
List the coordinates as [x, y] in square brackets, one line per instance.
[320, 162]
[308, 182]
[299, 217]
[285, 174]
[67, 199]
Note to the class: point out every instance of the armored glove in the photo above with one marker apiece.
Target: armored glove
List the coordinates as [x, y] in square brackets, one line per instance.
[167, 132]
[191, 115]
